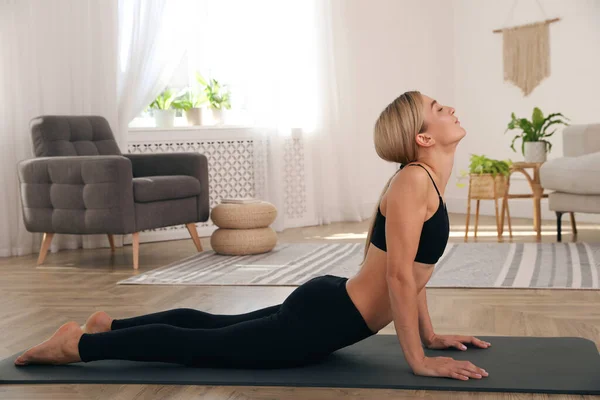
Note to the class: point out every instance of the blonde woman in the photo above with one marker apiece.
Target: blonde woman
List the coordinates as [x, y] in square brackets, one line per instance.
[408, 234]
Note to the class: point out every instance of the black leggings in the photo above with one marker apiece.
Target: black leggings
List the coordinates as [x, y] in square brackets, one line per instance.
[316, 319]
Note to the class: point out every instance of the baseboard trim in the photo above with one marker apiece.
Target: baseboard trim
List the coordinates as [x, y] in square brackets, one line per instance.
[17, 252]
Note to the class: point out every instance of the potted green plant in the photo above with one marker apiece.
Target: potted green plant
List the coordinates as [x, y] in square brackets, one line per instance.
[164, 114]
[190, 102]
[487, 177]
[217, 96]
[534, 145]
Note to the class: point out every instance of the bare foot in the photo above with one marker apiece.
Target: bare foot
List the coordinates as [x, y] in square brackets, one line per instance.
[61, 348]
[98, 322]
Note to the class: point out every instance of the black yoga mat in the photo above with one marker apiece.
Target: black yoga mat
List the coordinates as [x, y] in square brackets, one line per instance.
[515, 364]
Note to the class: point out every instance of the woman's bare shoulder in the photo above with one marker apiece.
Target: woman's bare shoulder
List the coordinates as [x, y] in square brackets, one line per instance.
[411, 181]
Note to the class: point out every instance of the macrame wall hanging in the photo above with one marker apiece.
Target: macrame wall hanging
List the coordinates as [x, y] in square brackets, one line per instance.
[526, 52]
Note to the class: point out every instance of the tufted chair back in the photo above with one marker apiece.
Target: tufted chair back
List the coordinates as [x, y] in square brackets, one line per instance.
[57, 135]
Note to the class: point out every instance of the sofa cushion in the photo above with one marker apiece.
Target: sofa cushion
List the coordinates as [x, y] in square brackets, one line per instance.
[567, 202]
[576, 175]
[158, 188]
[581, 139]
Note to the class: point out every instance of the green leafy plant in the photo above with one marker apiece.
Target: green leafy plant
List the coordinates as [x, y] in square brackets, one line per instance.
[163, 101]
[217, 95]
[480, 164]
[188, 99]
[534, 130]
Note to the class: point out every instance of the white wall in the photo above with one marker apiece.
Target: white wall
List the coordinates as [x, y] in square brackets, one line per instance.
[387, 47]
[447, 50]
[484, 101]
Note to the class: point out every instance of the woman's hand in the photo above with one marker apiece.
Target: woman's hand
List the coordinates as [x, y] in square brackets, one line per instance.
[447, 367]
[447, 341]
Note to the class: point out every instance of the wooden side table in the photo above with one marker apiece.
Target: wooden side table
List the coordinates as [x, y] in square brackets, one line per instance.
[537, 193]
[481, 191]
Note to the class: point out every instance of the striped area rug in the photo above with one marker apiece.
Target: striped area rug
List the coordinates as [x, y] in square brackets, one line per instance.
[476, 265]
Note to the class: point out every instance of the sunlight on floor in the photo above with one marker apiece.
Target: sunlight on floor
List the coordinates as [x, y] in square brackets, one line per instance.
[505, 234]
[565, 227]
[344, 236]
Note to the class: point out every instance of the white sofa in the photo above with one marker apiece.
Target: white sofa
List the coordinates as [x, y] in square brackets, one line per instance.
[574, 180]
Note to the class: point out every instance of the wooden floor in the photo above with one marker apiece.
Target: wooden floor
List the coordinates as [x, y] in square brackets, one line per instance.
[34, 301]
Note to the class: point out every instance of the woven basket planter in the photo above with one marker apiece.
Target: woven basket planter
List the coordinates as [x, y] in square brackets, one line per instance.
[481, 186]
[237, 242]
[244, 216]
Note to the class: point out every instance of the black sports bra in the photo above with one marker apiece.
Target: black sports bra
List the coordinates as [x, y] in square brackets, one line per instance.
[434, 235]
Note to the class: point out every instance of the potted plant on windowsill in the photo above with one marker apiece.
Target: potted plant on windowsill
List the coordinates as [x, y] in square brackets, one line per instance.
[191, 103]
[487, 177]
[217, 97]
[534, 145]
[164, 114]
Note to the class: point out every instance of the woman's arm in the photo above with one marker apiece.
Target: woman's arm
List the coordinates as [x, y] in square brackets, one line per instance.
[425, 326]
[405, 214]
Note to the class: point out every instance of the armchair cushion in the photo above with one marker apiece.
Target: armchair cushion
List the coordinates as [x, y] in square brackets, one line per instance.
[157, 188]
[165, 164]
[77, 195]
[192, 164]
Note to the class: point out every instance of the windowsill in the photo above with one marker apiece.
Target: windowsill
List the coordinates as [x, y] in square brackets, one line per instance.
[189, 128]
[145, 130]
[181, 123]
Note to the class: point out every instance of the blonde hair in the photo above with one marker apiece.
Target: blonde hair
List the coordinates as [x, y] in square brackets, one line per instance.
[394, 136]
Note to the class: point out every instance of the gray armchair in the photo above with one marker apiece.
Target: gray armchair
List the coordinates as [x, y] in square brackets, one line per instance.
[80, 183]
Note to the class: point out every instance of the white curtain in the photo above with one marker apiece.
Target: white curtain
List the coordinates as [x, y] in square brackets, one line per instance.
[259, 50]
[333, 139]
[55, 58]
[153, 38]
[280, 60]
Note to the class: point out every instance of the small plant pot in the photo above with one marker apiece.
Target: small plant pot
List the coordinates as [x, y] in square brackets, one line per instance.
[194, 116]
[164, 118]
[535, 152]
[482, 186]
[216, 116]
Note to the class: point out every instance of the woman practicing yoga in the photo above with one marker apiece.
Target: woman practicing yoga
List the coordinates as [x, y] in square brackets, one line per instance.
[409, 233]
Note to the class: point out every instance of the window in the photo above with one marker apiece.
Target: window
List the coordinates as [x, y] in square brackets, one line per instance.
[261, 50]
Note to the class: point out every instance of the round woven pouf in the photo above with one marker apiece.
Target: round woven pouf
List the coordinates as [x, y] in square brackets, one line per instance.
[244, 216]
[237, 242]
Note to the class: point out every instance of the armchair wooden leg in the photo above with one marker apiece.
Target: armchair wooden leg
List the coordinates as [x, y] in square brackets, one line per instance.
[111, 240]
[573, 225]
[45, 246]
[194, 234]
[136, 250]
